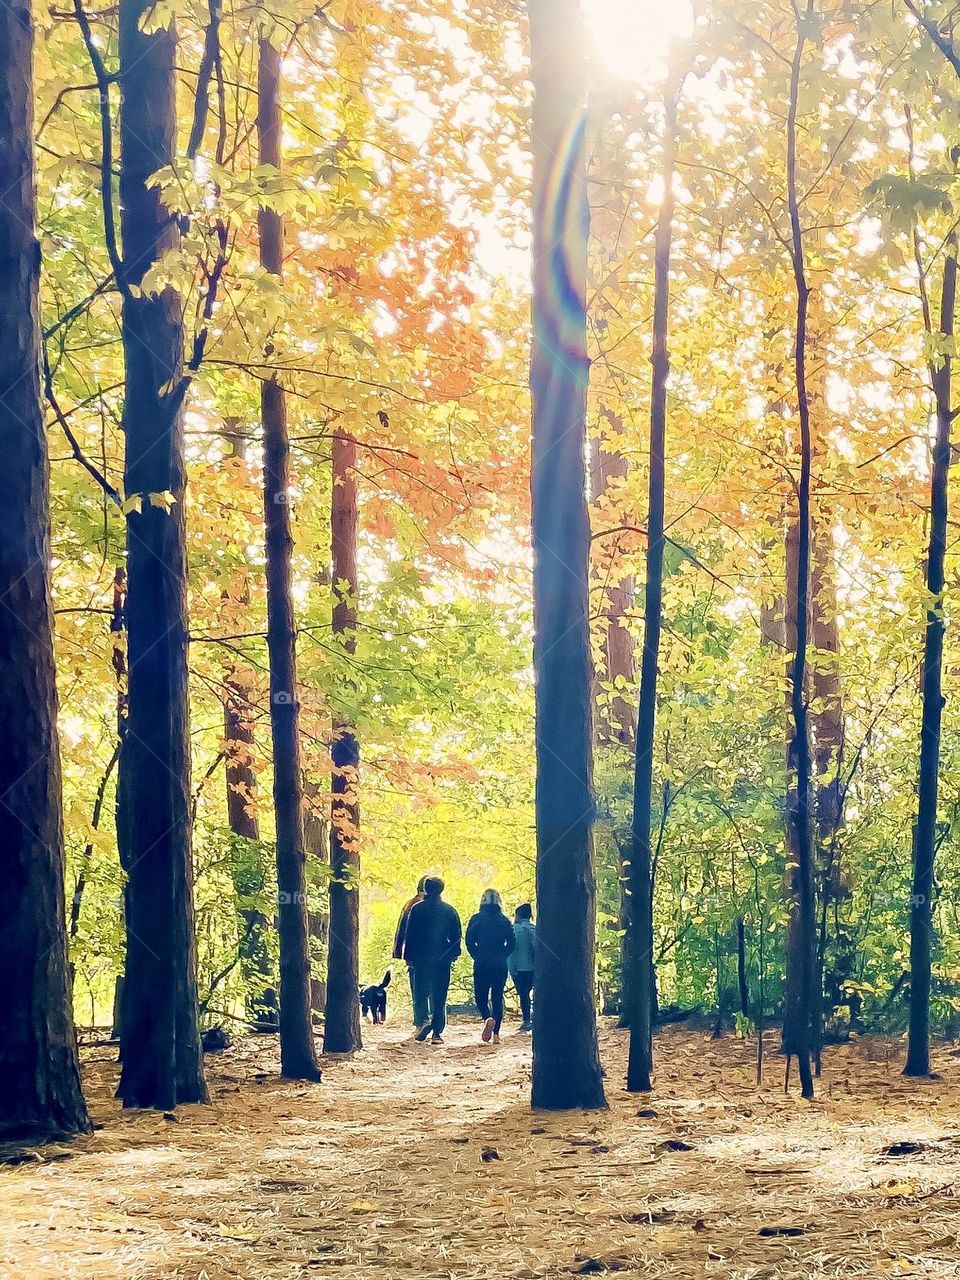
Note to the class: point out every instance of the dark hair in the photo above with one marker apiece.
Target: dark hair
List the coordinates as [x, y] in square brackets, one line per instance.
[433, 886]
[421, 883]
[524, 911]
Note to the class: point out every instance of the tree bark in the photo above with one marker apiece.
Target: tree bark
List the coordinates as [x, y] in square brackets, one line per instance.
[298, 1058]
[925, 832]
[317, 843]
[566, 1066]
[162, 1059]
[641, 985]
[38, 1051]
[827, 731]
[341, 1026]
[248, 878]
[801, 973]
[616, 720]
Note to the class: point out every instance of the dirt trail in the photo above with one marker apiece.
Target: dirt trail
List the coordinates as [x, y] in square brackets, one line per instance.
[418, 1161]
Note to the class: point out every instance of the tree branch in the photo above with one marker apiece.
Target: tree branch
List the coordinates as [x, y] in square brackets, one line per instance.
[104, 80]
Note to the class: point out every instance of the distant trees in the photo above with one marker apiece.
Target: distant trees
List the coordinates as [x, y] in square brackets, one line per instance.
[566, 1066]
[40, 1094]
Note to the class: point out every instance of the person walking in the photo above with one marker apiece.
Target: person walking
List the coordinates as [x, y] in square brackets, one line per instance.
[490, 940]
[430, 946]
[419, 994]
[521, 961]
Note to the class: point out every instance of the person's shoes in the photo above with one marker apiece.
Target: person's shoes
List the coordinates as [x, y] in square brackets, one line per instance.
[496, 1038]
[423, 1032]
[435, 1039]
[487, 1031]
[526, 1026]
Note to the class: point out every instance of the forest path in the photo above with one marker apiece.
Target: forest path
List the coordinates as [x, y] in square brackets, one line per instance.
[380, 1171]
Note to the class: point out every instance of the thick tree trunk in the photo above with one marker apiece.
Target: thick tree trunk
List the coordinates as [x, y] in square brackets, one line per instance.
[566, 1066]
[341, 1025]
[298, 1058]
[40, 1093]
[802, 969]
[640, 1063]
[162, 1060]
[925, 832]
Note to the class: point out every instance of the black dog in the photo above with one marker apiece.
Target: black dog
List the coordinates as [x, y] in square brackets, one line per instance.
[373, 999]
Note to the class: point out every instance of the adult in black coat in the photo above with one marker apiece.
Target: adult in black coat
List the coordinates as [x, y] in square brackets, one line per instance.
[490, 939]
[431, 944]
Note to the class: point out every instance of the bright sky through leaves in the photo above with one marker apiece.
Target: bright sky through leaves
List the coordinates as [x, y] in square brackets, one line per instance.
[631, 38]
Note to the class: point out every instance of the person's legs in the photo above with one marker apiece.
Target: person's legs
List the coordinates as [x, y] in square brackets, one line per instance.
[481, 990]
[420, 994]
[440, 985]
[498, 980]
[523, 982]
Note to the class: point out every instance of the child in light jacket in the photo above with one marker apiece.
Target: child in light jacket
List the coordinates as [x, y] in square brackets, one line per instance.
[521, 960]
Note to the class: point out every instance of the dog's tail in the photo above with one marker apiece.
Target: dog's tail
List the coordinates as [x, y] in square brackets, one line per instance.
[385, 981]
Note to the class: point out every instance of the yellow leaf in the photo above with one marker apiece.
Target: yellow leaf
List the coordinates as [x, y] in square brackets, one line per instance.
[237, 1233]
[133, 503]
[897, 1187]
[164, 500]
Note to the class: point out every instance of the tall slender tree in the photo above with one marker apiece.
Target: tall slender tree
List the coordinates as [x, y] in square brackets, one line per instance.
[566, 1066]
[802, 972]
[925, 832]
[341, 1028]
[160, 1046]
[38, 1050]
[298, 1057]
[640, 950]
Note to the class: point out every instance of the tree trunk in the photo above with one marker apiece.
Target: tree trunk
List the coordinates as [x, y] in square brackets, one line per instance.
[801, 973]
[317, 843]
[925, 832]
[118, 660]
[640, 1063]
[248, 878]
[38, 1049]
[76, 902]
[742, 986]
[826, 719]
[162, 1059]
[298, 1058]
[616, 719]
[341, 1026]
[566, 1065]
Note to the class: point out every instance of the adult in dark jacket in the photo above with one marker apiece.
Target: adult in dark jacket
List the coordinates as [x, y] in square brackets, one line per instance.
[419, 995]
[430, 946]
[490, 939]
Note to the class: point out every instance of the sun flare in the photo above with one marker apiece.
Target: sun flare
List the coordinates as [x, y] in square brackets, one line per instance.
[631, 38]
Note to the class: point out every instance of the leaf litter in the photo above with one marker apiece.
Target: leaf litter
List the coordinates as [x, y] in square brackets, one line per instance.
[415, 1161]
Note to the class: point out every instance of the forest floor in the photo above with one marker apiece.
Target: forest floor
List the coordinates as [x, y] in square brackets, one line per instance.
[417, 1161]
